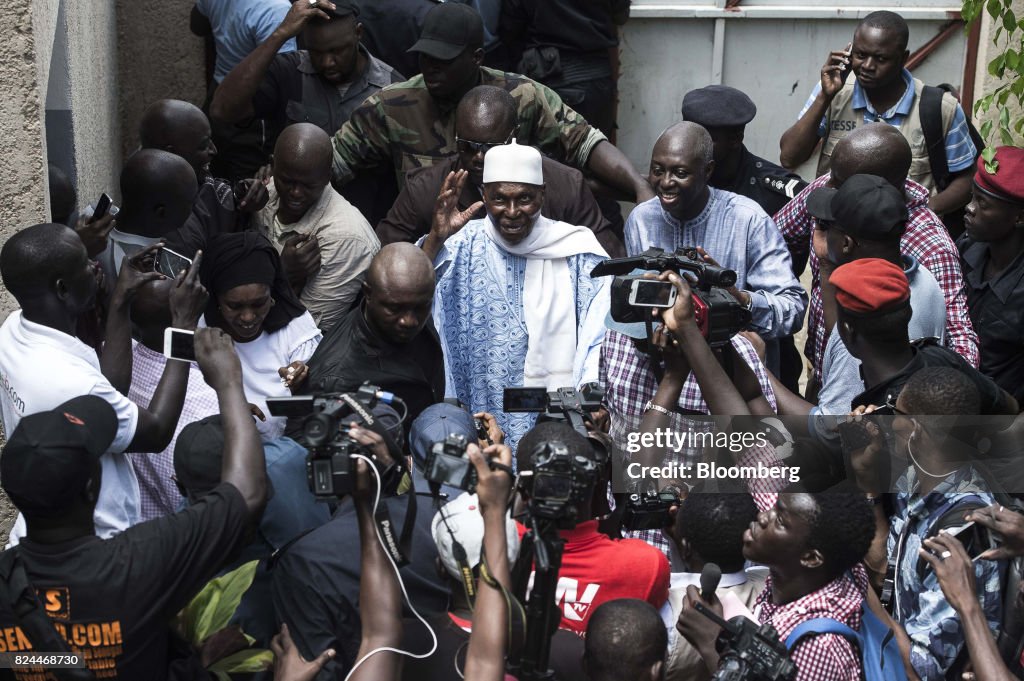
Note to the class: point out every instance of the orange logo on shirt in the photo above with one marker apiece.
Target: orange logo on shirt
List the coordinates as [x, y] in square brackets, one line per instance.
[57, 602]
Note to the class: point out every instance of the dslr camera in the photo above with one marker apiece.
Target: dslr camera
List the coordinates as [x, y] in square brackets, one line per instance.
[329, 470]
[559, 484]
[448, 463]
[718, 314]
[649, 510]
[749, 651]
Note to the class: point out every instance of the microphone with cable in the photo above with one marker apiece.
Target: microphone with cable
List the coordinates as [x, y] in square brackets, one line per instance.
[710, 576]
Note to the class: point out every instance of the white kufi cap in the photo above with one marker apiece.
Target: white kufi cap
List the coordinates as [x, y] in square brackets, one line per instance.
[513, 163]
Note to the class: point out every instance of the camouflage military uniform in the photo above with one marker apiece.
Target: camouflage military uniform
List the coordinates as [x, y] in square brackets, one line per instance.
[402, 125]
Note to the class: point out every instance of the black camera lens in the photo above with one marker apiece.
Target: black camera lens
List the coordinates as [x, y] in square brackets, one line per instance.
[318, 430]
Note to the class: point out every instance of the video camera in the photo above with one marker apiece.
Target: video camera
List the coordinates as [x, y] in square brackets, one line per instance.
[718, 314]
[329, 471]
[749, 651]
[564, 403]
[649, 510]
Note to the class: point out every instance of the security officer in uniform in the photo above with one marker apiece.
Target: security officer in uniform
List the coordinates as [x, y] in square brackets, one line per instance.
[725, 111]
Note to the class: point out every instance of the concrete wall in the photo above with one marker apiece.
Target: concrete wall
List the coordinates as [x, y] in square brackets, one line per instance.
[987, 51]
[24, 64]
[159, 57]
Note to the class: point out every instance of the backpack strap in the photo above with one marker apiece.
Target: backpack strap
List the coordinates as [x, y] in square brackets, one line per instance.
[930, 108]
[821, 625]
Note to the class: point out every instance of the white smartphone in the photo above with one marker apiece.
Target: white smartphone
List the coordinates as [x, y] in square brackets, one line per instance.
[169, 263]
[179, 344]
[652, 293]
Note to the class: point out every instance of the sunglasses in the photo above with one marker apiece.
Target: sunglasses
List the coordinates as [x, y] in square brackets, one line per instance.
[466, 146]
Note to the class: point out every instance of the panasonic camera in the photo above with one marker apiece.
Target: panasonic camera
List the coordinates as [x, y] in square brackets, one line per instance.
[329, 469]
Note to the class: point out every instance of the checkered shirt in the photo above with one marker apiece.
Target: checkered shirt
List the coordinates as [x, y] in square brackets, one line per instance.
[158, 494]
[821, 657]
[629, 383]
[926, 239]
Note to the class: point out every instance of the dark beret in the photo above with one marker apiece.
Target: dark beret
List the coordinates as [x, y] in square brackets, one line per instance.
[718, 106]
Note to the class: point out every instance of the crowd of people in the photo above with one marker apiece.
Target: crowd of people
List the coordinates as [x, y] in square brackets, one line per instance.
[300, 339]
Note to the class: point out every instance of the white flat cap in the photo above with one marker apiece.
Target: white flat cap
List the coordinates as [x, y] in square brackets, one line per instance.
[513, 163]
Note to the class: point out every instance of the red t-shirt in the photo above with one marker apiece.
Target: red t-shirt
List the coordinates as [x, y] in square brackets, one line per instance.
[596, 569]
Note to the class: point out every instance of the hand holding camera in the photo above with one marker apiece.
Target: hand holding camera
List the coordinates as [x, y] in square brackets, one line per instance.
[494, 475]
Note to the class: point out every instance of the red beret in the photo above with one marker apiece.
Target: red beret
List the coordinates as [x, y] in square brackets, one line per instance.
[1008, 181]
[870, 285]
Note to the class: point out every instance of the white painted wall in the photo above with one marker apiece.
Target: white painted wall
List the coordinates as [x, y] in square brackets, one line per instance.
[667, 49]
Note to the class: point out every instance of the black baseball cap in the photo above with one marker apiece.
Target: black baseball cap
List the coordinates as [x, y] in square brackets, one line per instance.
[342, 9]
[718, 106]
[50, 457]
[866, 206]
[199, 449]
[448, 29]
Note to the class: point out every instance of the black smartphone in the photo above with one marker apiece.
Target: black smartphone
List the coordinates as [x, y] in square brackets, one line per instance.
[102, 207]
[525, 399]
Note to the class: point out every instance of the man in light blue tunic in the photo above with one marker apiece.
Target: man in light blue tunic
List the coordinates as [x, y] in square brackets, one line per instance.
[515, 303]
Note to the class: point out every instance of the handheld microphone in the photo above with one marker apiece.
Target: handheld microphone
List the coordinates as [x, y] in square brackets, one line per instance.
[710, 576]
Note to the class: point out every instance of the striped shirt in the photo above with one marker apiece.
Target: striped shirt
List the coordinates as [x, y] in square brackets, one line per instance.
[740, 236]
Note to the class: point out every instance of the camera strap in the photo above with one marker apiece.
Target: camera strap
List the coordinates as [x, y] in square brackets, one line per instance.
[397, 546]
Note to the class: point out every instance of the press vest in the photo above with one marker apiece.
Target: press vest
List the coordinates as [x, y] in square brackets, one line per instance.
[842, 119]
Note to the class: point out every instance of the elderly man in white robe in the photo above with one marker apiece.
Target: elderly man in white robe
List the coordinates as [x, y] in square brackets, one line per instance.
[515, 303]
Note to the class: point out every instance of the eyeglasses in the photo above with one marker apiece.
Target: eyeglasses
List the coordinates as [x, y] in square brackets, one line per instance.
[469, 146]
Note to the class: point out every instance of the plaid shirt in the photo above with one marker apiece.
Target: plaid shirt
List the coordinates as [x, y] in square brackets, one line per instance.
[821, 657]
[629, 383]
[926, 239]
[159, 495]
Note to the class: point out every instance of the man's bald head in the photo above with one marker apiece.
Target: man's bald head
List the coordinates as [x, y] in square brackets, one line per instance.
[688, 137]
[681, 165]
[401, 265]
[305, 146]
[180, 128]
[874, 149]
[487, 115]
[157, 192]
[486, 108]
[399, 291]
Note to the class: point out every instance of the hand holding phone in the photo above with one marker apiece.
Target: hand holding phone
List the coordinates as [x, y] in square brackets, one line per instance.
[170, 264]
[179, 344]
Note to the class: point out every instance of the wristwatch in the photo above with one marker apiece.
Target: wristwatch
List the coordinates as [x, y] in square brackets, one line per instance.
[656, 407]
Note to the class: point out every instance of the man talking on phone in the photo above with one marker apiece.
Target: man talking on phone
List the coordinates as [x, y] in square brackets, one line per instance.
[42, 364]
